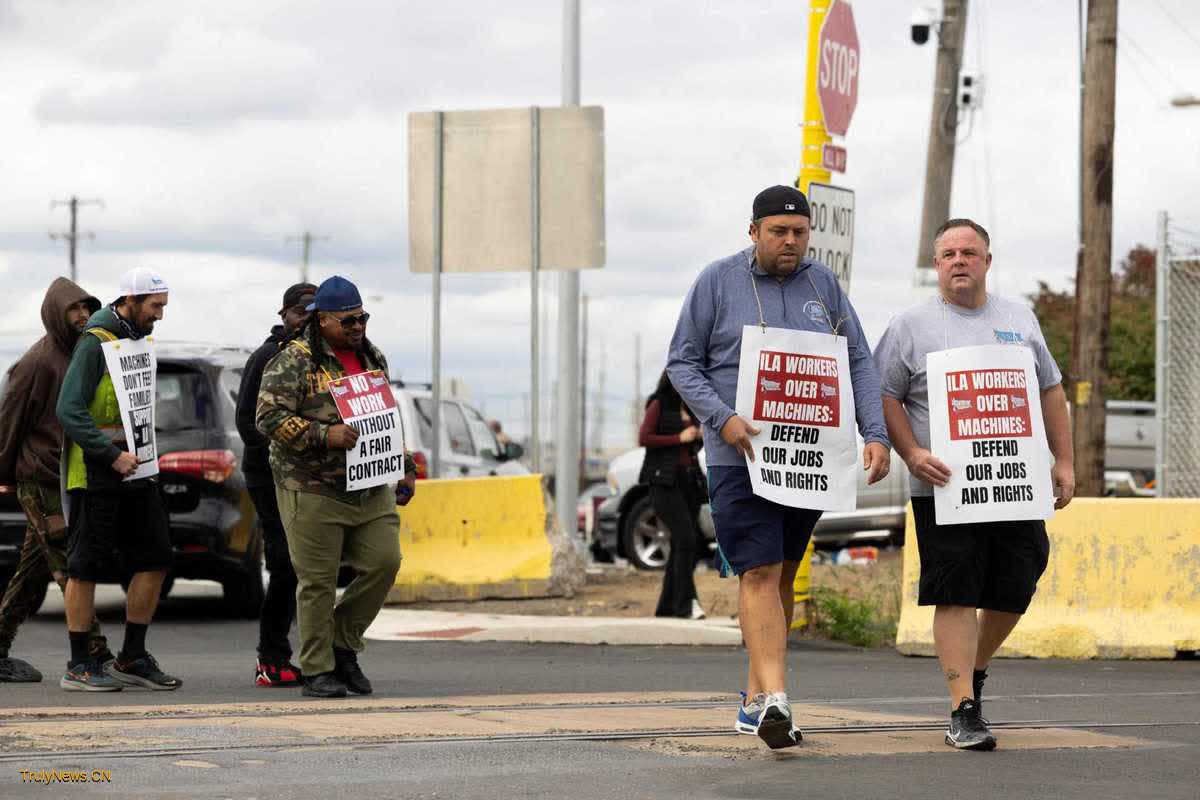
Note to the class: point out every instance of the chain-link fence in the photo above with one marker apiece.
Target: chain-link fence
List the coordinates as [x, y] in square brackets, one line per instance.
[1179, 396]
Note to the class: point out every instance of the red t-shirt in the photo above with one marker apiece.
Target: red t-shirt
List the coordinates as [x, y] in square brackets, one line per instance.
[350, 361]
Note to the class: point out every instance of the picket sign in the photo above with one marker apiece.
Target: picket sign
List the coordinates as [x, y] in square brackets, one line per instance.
[366, 403]
[133, 368]
[794, 386]
[985, 424]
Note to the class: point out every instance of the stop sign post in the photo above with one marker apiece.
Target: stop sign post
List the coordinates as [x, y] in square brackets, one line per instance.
[837, 72]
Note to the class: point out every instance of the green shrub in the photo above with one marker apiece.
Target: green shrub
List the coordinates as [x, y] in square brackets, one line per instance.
[862, 622]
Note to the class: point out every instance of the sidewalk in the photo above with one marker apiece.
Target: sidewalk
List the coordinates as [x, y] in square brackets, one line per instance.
[397, 624]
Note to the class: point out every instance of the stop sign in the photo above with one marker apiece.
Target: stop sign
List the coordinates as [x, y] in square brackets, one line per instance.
[837, 67]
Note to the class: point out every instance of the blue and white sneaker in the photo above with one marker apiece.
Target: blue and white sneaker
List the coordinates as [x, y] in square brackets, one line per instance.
[775, 724]
[748, 714]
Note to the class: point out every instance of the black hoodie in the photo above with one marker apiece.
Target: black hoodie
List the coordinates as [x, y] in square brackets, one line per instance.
[30, 433]
[256, 463]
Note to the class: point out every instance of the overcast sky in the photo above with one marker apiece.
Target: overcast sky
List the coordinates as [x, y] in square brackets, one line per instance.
[215, 130]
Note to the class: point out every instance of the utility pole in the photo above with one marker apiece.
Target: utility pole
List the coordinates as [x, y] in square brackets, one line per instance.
[943, 131]
[635, 409]
[598, 398]
[566, 485]
[71, 237]
[583, 369]
[1093, 280]
[307, 238]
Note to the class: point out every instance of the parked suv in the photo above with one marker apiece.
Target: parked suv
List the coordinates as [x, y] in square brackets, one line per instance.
[469, 449]
[627, 526]
[214, 530]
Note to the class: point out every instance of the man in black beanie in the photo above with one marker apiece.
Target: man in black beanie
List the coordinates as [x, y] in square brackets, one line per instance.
[772, 283]
[274, 667]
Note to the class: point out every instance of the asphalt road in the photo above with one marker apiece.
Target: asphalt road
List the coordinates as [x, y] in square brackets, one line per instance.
[1113, 729]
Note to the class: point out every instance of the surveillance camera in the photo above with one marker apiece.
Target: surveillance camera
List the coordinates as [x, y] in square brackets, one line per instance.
[923, 19]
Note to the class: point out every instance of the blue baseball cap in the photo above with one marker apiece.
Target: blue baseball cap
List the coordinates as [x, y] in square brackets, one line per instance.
[335, 294]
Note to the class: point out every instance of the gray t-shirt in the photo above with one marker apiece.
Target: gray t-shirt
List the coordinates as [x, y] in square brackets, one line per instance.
[937, 325]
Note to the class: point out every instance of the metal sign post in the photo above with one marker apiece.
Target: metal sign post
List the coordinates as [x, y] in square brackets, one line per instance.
[438, 157]
[535, 258]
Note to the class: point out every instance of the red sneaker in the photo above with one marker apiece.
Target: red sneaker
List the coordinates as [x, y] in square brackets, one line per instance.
[277, 673]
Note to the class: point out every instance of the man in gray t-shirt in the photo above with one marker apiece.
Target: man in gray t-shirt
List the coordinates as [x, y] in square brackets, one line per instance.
[981, 577]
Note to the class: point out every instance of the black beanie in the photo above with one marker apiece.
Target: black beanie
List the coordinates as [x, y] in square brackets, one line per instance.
[780, 200]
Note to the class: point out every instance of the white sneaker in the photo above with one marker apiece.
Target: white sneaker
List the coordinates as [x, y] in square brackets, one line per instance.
[775, 724]
[697, 610]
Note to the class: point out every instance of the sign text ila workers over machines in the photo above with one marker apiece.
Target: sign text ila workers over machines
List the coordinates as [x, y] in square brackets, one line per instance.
[985, 424]
[794, 386]
[365, 403]
[132, 367]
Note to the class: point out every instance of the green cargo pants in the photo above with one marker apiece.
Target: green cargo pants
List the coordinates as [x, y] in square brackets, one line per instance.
[43, 557]
[321, 533]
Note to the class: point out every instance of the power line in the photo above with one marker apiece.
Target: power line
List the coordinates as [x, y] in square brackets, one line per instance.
[1183, 28]
[1129, 40]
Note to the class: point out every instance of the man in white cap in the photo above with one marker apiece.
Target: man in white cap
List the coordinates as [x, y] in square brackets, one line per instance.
[107, 512]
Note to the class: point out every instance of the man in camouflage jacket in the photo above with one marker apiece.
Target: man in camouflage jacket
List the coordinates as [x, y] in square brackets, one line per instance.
[325, 523]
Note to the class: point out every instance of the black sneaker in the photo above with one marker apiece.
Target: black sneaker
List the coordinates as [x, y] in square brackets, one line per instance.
[323, 684]
[348, 671]
[14, 670]
[143, 671]
[977, 679]
[968, 730]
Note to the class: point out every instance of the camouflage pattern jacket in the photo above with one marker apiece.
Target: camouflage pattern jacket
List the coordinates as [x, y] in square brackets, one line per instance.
[295, 411]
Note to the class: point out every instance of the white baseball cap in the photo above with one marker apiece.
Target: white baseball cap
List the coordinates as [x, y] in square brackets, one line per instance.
[142, 280]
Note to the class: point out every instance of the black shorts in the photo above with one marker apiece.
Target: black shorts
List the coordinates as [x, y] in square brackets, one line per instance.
[751, 530]
[992, 565]
[126, 529]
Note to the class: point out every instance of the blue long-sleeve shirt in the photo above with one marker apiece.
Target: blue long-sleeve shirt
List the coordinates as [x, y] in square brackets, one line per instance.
[706, 348]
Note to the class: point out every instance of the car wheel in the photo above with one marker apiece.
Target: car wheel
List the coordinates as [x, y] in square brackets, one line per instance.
[646, 541]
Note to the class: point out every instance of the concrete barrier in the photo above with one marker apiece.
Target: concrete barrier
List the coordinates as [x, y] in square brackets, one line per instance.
[1123, 582]
[475, 538]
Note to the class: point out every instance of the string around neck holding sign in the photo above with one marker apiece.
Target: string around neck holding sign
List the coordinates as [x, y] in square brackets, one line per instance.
[834, 328]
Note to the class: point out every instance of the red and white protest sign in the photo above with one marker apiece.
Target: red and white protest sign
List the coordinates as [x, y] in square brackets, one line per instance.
[794, 386]
[985, 424]
[365, 403]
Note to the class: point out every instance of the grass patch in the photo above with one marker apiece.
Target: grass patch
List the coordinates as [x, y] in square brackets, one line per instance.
[859, 605]
[862, 622]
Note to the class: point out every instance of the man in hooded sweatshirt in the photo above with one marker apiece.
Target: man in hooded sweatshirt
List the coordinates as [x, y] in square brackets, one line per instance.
[30, 445]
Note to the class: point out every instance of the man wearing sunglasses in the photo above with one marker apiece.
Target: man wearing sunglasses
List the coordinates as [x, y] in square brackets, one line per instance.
[324, 523]
[274, 666]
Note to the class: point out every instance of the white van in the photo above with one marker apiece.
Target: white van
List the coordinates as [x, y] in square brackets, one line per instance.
[469, 449]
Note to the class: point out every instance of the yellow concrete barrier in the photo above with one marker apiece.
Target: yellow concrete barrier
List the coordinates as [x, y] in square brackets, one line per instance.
[473, 538]
[1123, 582]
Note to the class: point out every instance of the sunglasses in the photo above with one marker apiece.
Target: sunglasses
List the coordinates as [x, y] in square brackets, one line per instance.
[350, 322]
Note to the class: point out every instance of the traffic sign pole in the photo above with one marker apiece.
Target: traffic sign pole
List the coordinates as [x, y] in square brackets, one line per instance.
[814, 137]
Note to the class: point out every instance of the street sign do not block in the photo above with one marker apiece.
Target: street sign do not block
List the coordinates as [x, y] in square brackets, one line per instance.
[837, 67]
[831, 240]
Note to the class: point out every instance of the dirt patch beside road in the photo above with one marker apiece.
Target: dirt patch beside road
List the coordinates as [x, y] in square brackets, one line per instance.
[616, 592]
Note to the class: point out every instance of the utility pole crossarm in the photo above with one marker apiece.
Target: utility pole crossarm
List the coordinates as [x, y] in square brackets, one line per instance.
[307, 238]
[71, 236]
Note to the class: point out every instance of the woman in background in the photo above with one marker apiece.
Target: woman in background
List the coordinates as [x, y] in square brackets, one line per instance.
[671, 438]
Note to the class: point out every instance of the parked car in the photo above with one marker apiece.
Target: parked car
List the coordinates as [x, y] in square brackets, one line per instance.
[627, 526]
[214, 530]
[590, 499]
[469, 448]
[1130, 442]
